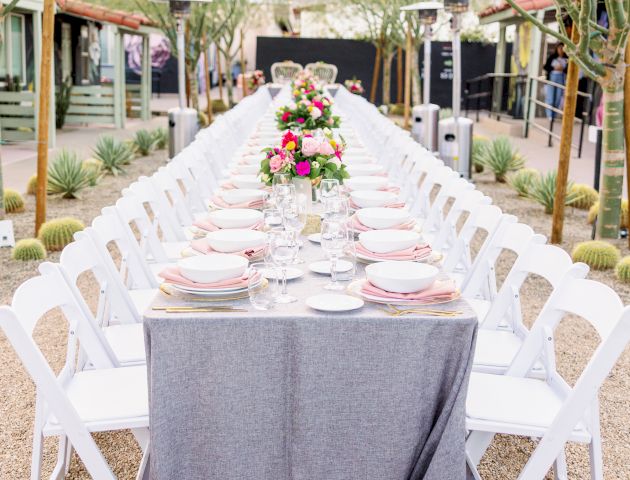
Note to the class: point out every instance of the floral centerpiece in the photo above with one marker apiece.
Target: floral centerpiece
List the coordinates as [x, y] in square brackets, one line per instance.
[254, 79]
[304, 156]
[354, 86]
[309, 114]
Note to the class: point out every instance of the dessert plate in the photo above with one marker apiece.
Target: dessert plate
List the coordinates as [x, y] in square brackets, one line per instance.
[331, 302]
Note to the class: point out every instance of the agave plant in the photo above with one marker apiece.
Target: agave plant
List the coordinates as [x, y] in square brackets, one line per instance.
[113, 154]
[522, 180]
[543, 190]
[501, 158]
[144, 142]
[161, 138]
[66, 176]
[479, 146]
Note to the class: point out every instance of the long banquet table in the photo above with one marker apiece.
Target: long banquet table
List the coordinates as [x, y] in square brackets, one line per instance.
[294, 393]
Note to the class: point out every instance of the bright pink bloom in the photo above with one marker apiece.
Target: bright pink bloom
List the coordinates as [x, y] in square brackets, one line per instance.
[300, 120]
[326, 148]
[303, 168]
[319, 105]
[276, 163]
[289, 137]
[285, 116]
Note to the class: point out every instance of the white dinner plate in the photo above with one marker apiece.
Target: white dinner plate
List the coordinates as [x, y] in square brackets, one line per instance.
[323, 267]
[334, 302]
[292, 273]
[315, 237]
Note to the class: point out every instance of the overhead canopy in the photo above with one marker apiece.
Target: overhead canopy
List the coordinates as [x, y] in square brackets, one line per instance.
[102, 14]
[503, 11]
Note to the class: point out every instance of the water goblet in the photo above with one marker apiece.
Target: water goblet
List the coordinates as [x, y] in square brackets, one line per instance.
[334, 238]
[283, 249]
[262, 294]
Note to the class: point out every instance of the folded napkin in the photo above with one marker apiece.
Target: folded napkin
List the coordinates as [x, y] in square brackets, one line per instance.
[356, 225]
[174, 276]
[219, 202]
[207, 225]
[417, 252]
[354, 206]
[201, 246]
[440, 291]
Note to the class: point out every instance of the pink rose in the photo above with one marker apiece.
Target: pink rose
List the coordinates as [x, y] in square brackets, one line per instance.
[319, 105]
[326, 149]
[300, 120]
[303, 168]
[275, 163]
[310, 146]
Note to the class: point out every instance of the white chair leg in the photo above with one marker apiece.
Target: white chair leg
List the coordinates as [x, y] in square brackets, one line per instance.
[38, 443]
[59, 471]
[142, 437]
[595, 454]
[560, 467]
[471, 473]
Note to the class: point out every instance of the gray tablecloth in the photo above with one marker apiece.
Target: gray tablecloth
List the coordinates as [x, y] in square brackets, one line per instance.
[299, 394]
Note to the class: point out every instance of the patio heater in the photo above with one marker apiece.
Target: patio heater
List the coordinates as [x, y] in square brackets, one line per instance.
[426, 116]
[183, 123]
[455, 133]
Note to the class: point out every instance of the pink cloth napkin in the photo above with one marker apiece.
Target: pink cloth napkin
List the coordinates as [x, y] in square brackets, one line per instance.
[201, 246]
[174, 276]
[356, 224]
[219, 202]
[206, 224]
[439, 291]
[417, 252]
[390, 205]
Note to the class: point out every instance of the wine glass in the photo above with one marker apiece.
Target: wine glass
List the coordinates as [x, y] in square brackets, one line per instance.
[285, 193]
[295, 217]
[272, 218]
[334, 238]
[280, 179]
[328, 187]
[283, 248]
[262, 294]
[336, 207]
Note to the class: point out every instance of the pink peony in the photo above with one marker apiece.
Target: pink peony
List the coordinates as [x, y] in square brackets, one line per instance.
[286, 116]
[303, 168]
[316, 113]
[276, 163]
[319, 105]
[326, 149]
[310, 146]
[300, 120]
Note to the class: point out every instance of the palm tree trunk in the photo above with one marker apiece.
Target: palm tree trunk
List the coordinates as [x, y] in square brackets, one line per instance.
[387, 77]
[191, 73]
[375, 74]
[416, 92]
[229, 80]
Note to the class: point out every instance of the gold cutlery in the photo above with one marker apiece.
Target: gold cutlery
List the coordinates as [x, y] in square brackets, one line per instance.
[203, 309]
[189, 307]
[396, 312]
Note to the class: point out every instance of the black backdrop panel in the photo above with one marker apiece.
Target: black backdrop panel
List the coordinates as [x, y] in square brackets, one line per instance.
[356, 58]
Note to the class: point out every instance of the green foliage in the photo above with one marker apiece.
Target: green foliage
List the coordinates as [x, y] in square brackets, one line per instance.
[522, 180]
[113, 154]
[202, 119]
[622, 270]
[144, 142]
[28, 249]
[56, 234]
[475, 34]
[62, 102]
[501, 158]
[543, 190]
[66, 176]
[160, 135]
[479, 145]
[31, 186]
[94, 170]
[587, 196]
[623, 217]
[218, 106]
[596, 254]
[13, 201]
[397, 109]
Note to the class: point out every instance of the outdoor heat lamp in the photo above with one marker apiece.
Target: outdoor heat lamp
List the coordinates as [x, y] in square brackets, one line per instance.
[455, 133]
[426, 116]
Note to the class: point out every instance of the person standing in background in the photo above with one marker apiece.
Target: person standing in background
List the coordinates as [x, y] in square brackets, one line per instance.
[556, 68]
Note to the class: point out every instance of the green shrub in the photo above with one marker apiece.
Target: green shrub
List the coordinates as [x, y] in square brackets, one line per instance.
[56, 234]
[28, 249]
[622, 270]
[596, 254]
[13, 201]
[161, 138]
[543, 190]
[62, 102]
[31, 186]
[66, 176]
[218, 106]
[94, 170]
[144, 142]
[522, 180]
[113, 154]
[587, 196]
[397, 109]
[479, 145]
[594, 211]
[501, 158]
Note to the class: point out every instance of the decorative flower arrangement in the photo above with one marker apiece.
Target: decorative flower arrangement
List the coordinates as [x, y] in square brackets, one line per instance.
[354, 86]
[307, 114]
[305, 156]
[255, 79]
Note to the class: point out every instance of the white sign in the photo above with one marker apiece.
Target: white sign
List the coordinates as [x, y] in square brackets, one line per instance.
[6, 234]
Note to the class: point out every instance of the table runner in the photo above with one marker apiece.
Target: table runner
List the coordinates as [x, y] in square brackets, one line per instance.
[298, 394]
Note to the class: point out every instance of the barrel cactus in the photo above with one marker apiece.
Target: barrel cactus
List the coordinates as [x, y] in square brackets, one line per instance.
[594, 210]
[522, 180]
[596, 254]
[28, 249]
[586, 196]
[31, 186]
[622, 270]
[13, 201]
[56, 234]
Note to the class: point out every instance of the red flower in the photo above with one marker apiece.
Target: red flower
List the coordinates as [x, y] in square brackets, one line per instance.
[318, 104]
[285, 116]
[300, 120]
[289, 137]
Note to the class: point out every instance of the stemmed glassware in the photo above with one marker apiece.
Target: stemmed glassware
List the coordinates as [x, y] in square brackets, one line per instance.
[328, 187]
[334, 238]
[261, 296]
[283, 249]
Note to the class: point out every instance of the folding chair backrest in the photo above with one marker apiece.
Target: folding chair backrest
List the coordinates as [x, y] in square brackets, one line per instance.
[191, 190]
[164, 181]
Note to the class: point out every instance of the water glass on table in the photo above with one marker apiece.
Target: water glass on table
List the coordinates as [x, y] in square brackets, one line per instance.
[334, 238]
[347, 262]
[328, 187]
[263, 294]
[272, 218]
[283, 250]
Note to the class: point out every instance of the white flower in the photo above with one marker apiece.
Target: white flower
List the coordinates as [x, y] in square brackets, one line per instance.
[336, 161]
[292, 106]
[315, 164]
[264, 177]
[316, 113]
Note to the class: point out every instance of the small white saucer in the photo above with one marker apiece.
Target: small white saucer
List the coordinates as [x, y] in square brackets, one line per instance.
[334, 302]
[323, 267]
[315, 237]
[292, 273]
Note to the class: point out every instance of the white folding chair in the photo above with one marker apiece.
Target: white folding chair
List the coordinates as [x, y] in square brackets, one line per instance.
[74, 404]
[549, 409]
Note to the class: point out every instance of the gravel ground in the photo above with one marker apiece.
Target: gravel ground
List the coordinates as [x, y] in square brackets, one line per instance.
[576, 341]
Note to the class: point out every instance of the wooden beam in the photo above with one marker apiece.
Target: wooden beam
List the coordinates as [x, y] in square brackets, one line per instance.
[537, 39]
[219, 71]
[408, 52]
[375, 74]
[566, 138]
[48, 28]
[499, 67]
[146, 80]
[119, 105]
[626, 121]
[206, 61]
[242, 53]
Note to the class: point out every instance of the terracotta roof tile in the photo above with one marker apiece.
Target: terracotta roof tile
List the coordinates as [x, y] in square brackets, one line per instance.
[103, 14]
[526, 4]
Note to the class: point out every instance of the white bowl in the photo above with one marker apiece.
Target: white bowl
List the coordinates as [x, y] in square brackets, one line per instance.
[366, 183]
[380, 218]
[235, 217]
[211, 268]
[241, 195]
[235, 240]
[246, 181]
[385, 241]
[401, 277]
[249, 169]
[372, 198]
[355, 169]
